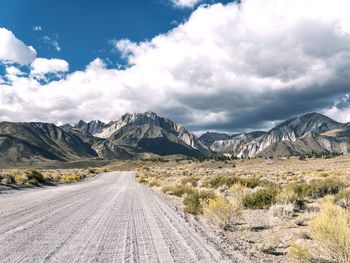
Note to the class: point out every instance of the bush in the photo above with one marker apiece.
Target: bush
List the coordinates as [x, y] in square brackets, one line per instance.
[195, 201]
[177, 190]
[318, 188]
[300, 252]
[217, 181]
[33, 181]
[223, 210]
[192, 180]
[331, 231]
[287, 201]
[262, 198]
[249, 182]
[343, 198]
[154, 182]
[8, 179]
[282, 210]
[142, 180]
[35, 176]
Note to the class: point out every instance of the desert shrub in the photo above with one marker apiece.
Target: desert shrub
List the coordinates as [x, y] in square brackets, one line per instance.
[343, 198]
[286, 196]
[287, 202]
[35, 176]
[223, 210]
[195, 201]
[192, 180]
[282, 210]
[33, 181]
[177, 190]
[300, 252]
[142, 180]
[92, 170]
[238, 192]
[249, 182]
[8, 179]
[318, 188]
[192, 203]
[154, 182]
[217, 181]
[70, 178]
[262, 198]
[21, 178]
[331, 231]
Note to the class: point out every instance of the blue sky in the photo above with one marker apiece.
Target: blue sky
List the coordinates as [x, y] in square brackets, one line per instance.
[83, 29]
[210, 65]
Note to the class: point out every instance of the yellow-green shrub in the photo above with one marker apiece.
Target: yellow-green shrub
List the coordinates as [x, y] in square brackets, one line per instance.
[192, 180]
[300, 252]
[223, 210]
[177, 190]
[331, 231]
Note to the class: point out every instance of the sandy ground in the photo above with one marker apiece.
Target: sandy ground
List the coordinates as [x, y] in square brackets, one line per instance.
[110, 218]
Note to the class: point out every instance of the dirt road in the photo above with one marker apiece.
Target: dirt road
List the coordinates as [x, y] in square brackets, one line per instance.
[110, 218]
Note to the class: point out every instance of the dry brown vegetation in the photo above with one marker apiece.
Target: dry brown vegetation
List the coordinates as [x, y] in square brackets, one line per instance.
[26, 177]
[270, 210]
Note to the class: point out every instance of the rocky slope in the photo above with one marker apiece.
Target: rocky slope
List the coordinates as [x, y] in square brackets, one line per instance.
[303, 134]
[147, 132]
[130, 137]
[209, 138]
[91, 127]
[22, 142]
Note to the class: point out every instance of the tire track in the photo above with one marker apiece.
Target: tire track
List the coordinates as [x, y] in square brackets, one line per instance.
[111, 218]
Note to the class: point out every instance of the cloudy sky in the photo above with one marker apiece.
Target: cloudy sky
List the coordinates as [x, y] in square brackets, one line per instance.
[210, 65]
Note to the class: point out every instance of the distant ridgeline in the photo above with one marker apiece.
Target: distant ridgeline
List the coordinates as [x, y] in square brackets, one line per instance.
[146, 135]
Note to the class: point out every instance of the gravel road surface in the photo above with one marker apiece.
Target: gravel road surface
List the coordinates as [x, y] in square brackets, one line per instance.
[110, 218]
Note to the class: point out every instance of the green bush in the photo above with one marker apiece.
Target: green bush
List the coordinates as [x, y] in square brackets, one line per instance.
[217, 181]
[262, 198]
[195, 201]
[33, 181]
[318, 189]
[35, 176]
[249, 182]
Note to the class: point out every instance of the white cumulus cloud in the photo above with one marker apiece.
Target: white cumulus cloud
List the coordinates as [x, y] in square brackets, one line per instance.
[42, 66]
[185, 3]
[13, 50]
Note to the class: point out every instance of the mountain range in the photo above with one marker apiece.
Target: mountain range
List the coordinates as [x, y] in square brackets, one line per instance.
[312, 132]
[133, 136]
[147, 134]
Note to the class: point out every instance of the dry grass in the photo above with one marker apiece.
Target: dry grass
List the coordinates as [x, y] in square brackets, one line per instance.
[278, 197]
[330, 233]
[22, 177]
